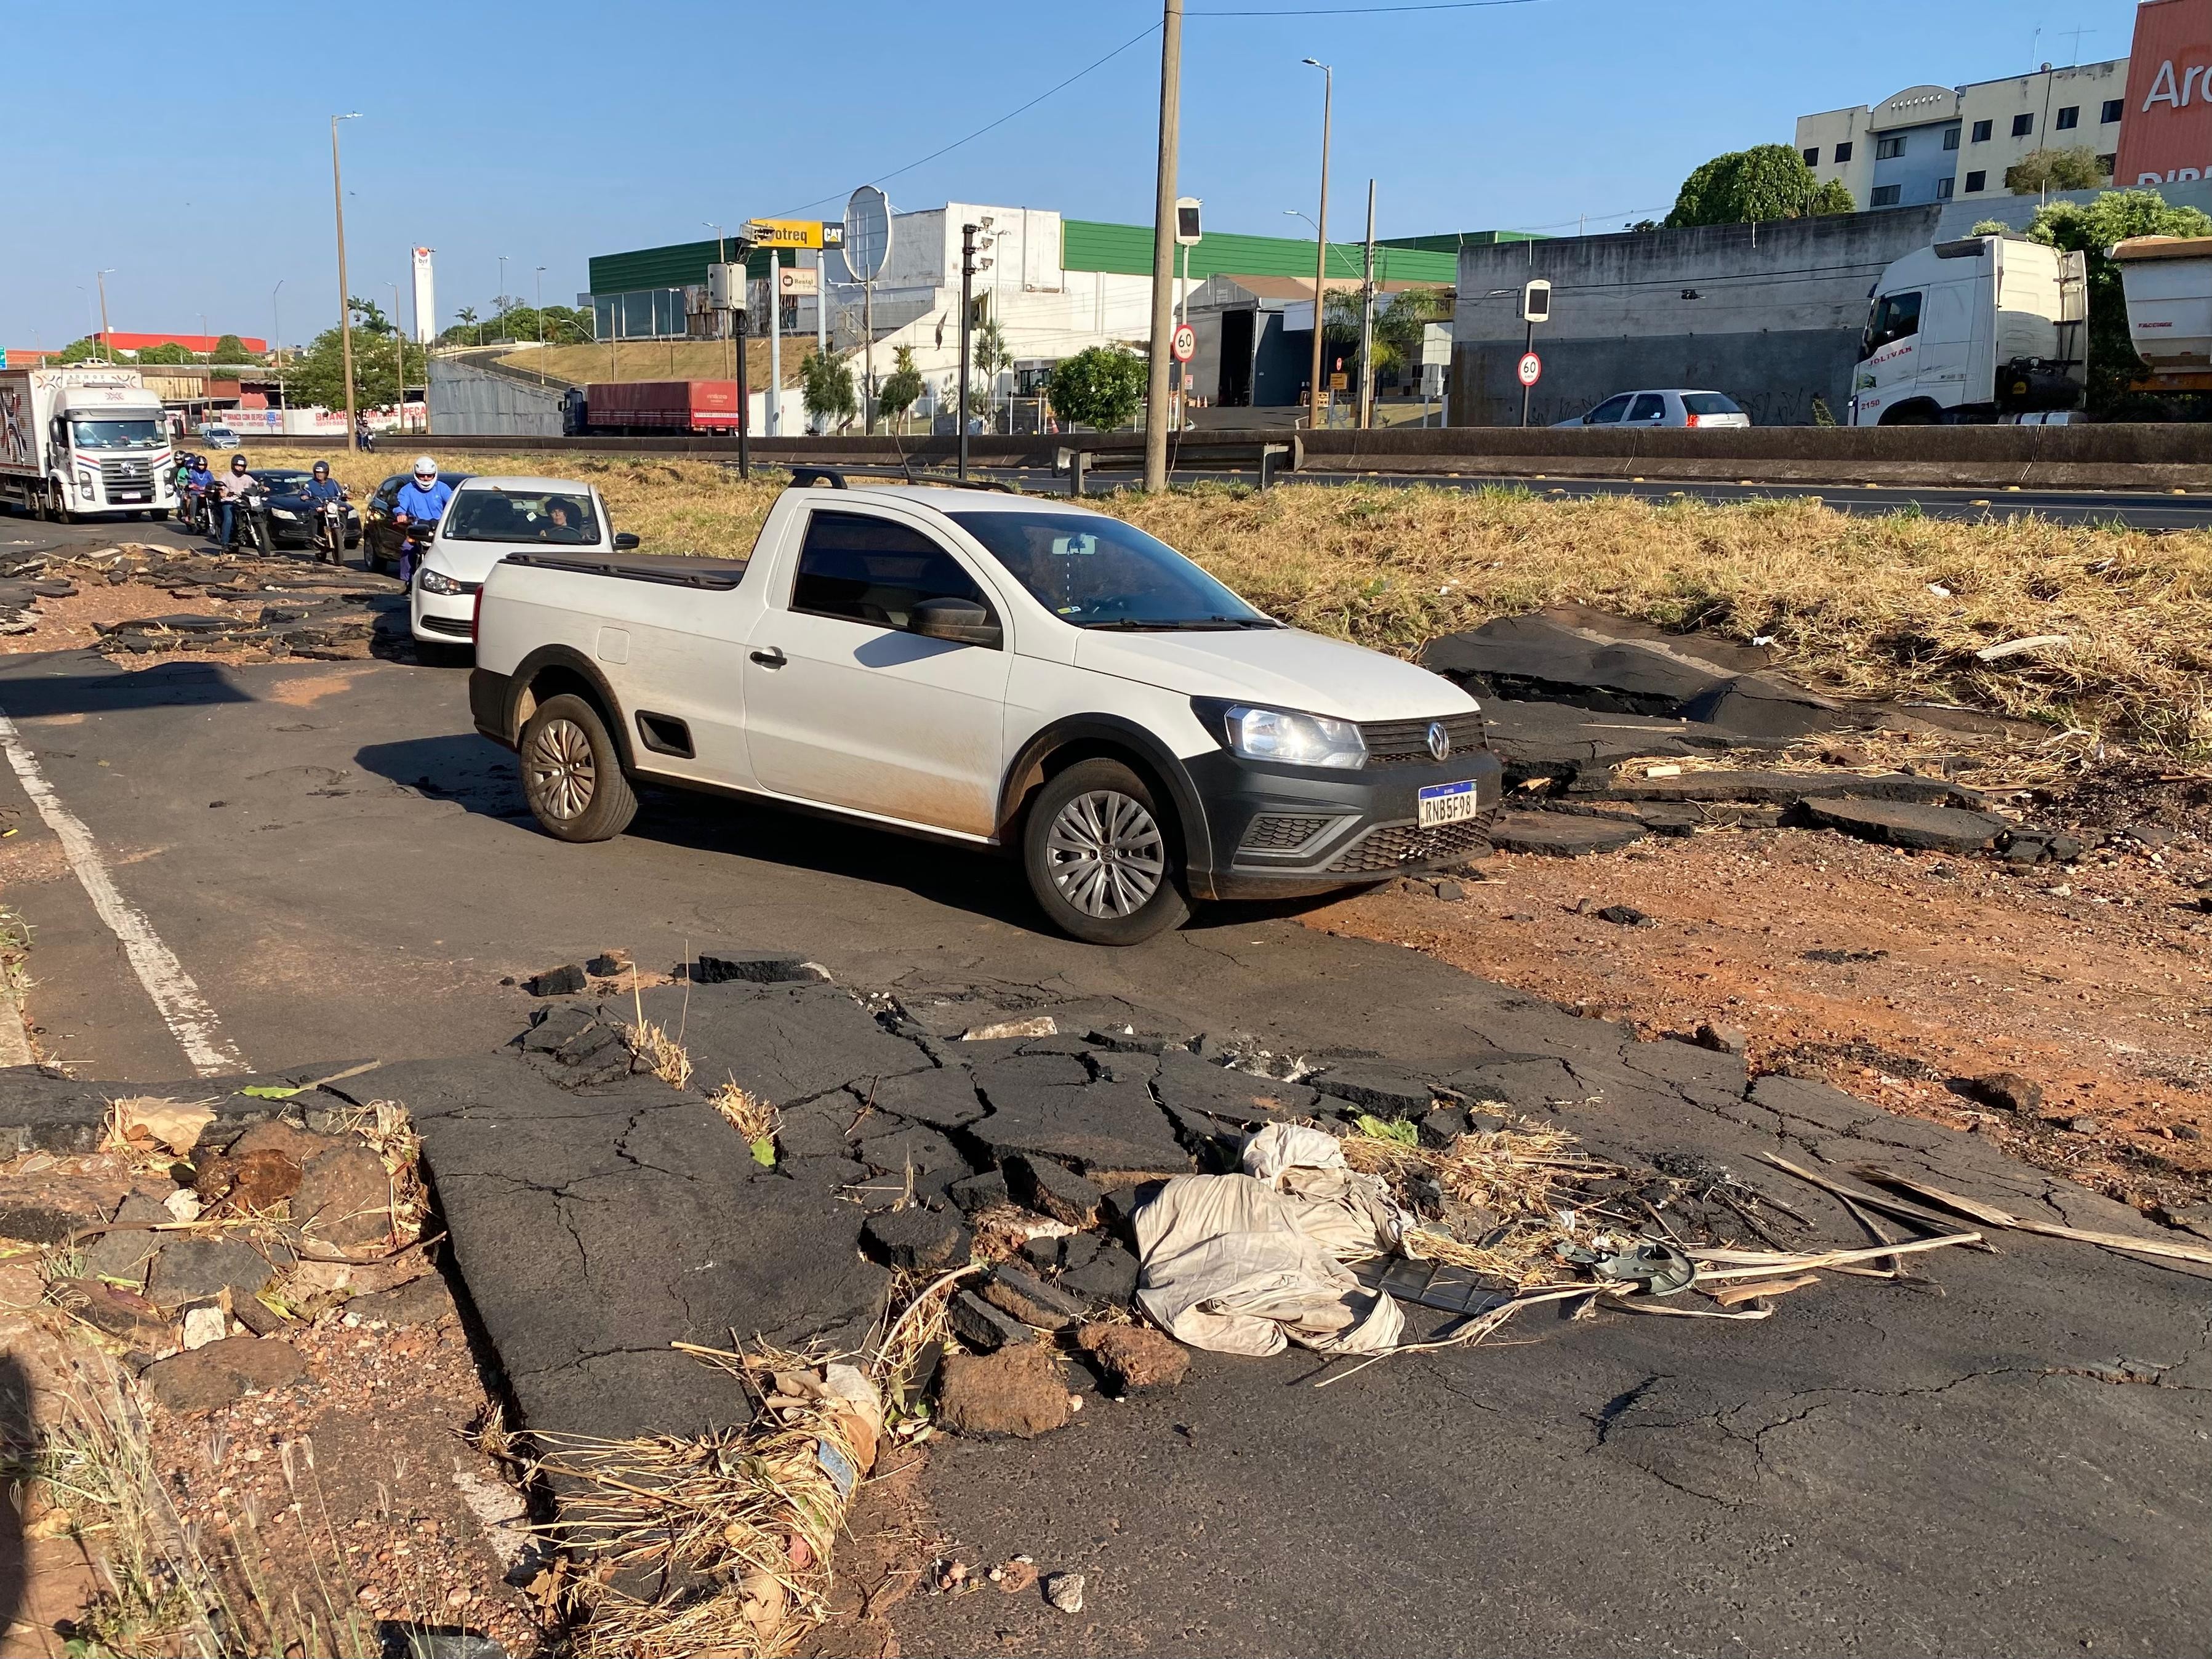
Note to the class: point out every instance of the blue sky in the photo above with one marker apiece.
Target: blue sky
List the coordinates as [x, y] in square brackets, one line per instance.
[551, 131]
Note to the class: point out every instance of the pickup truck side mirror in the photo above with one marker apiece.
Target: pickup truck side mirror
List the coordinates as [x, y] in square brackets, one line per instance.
[624, 542]
[962, 622]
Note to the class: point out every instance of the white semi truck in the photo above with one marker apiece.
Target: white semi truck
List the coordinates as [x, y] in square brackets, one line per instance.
[84, 442]
[1982, 330]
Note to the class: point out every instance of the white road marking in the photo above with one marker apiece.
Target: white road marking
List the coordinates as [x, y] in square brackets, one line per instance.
[182, 1007]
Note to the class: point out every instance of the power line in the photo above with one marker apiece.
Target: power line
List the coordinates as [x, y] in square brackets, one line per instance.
[1096, 64]
[1371, 11]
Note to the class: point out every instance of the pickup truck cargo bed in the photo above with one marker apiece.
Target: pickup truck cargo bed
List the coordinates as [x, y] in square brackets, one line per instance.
[676, 569]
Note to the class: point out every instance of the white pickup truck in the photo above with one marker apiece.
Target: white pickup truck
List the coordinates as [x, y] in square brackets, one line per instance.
[986, 668]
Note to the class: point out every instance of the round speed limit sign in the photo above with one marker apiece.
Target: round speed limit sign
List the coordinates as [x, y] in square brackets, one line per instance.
[1184, 343]
[1531, 368]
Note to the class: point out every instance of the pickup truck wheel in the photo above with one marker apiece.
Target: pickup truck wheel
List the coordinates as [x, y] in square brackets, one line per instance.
[572, 775]
[1098, 856]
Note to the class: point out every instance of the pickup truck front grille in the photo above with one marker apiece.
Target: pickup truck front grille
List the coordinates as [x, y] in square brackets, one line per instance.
[1281, 832]
[127, 481]
[1406, 743]
[1394, 845]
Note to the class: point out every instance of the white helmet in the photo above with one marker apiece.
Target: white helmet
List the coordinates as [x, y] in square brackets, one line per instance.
[424, 464]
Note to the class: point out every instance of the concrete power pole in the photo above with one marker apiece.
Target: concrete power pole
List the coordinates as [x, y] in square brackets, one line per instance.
[1157, 417]
[1367, 323]
[1321, 236]
[345, 299]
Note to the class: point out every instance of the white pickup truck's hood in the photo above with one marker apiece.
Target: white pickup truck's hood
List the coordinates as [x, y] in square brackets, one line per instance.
[1278, 667]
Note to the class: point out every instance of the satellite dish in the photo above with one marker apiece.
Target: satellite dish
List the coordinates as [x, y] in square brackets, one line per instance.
[867, 233]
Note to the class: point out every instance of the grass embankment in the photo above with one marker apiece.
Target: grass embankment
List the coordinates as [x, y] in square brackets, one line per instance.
[1874, 606]
[660, 360]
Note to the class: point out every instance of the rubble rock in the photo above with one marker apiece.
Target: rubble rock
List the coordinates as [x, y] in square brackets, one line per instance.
[1030, 1300]
[422, 1301]
[1065, 1592]
[1043, 1253]
[1015, 1393]
[1624, 915]
[1385, 1090]
[980, 1191]
[1109, 1276]
[1134, 1356]
[1905, 823]
[254, 1183]
[916, 1238]
[722, 966]
[2005, 1092]
[47, 1208]
[565, 980]
[983, 1327]
[345, 1196]
[1721, 1039]
[199, 1269]
[124, 1254]
[1559, 835]
[222, 1371]
[1778, 788]
[1052, 1189]
[125, 1315]
[1443, 1125]
[608, 964]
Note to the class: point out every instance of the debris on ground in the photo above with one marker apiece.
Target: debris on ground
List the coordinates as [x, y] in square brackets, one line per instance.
[1065, 1592]
[1133, 1357]
[1016, 1392]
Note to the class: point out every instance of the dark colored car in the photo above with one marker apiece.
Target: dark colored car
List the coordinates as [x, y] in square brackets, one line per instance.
[380, 538]
[291, 515]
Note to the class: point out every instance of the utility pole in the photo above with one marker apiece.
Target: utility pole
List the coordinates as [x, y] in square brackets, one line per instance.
[276, 338]
[345, 299]
[399, 362]
[541, 339]
[1321, 234]
[967, 311]
[108, 337]
[1157, 416]
[775, 342]
[1367, 323]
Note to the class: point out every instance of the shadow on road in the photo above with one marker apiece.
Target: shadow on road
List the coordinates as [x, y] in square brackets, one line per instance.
[84, 682]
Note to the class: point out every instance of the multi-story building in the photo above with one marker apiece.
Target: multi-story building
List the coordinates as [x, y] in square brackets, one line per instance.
[1931, 143]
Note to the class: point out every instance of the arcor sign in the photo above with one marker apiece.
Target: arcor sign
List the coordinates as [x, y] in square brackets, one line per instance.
[2167, 134]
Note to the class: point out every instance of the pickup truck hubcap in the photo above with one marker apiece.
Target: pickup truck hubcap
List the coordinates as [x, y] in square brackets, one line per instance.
[560, 772]
[1106, 855]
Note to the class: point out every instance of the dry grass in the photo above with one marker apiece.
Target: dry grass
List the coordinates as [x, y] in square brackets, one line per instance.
[750, 1116]
[1848, 601]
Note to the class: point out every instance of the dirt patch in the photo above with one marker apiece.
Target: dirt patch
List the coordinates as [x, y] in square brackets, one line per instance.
[1885, 972]
[70, 624]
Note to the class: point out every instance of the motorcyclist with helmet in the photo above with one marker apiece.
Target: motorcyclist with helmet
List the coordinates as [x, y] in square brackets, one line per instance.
[200, 482]
[236, 484]
[417, 508]
[325, 493]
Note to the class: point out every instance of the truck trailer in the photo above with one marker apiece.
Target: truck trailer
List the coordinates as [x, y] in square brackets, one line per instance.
[1982, 330]
[2168, 283]
[646, 407]
[84, 442]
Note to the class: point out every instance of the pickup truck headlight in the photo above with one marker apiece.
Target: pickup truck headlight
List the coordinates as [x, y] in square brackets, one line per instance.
[437, 581]
[1292, 740]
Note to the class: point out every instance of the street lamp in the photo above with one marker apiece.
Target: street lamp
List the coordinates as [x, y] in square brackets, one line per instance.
[1321, 228]
[276, 338]
[541, 324]
[345, 298]
[106, 337]
[722, 258]
[502, 297]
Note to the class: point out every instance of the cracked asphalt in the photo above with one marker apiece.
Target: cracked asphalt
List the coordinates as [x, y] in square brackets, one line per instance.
[2016, 1456]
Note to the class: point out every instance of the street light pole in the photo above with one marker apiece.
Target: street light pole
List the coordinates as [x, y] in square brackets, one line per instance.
[1157, 415]
[1321, 232]
[400, 358]
[503, 334]
[277, 337]
[541, 334]
[106, 337]
[345, 299]
[967, 289]
[1367, 322]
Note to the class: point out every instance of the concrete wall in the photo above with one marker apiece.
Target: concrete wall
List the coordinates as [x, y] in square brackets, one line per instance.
[1770, 314]
[469, 401]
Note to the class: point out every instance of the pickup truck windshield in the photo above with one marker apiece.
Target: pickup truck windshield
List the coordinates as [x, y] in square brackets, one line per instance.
[1096, 571]
[116, 434]
[558, 518]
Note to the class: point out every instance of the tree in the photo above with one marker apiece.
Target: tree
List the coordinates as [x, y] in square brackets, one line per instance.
[826, 388]
[2090, 227]
[167, 352]
[988, 348]
[367, 314]
[229, 349]
[2055, 169]
[86, 350]
[317, 375]
[1767, 181]
[1399, 326]
[902, 388]
[1100, 387]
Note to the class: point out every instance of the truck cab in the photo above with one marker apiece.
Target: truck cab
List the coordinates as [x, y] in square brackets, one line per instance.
[1977, 331]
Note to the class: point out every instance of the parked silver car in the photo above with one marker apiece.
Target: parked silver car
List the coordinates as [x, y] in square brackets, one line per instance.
[1670, 408]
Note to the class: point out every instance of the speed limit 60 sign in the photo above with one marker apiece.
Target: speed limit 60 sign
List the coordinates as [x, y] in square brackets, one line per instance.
[1530, 369]
[1183, 343]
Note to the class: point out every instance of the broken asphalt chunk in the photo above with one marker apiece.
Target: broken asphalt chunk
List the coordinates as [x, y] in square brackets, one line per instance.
[1052, 1189]
[1030, 1299]
[1561, 835]
[565, 980]
[1904, 823]
[984, 1328]
[914, 1239]
[721, 966]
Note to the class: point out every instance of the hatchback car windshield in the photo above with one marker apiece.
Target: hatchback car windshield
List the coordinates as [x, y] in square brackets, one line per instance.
[557, 517]
[1096, 571]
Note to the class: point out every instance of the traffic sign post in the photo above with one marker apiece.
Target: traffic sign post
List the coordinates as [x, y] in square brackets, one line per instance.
[1530, 370]
[1536, 307]
[1185, 345]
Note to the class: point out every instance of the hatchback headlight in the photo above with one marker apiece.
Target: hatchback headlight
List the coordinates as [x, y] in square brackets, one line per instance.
[437, 581]
[1292, 740]
[282, 513]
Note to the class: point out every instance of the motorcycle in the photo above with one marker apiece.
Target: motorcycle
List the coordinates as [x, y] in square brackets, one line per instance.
[249, 523]
[329, 531]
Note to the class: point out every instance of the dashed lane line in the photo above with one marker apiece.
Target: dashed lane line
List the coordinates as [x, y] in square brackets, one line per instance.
[182, 1008]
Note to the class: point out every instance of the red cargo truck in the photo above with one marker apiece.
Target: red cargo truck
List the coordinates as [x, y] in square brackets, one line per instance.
[650, 406]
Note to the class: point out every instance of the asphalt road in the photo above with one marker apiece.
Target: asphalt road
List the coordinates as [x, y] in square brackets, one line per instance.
[343, 869]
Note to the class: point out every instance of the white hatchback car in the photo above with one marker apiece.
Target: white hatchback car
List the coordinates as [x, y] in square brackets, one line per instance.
[488, 518]
[1701, 410]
